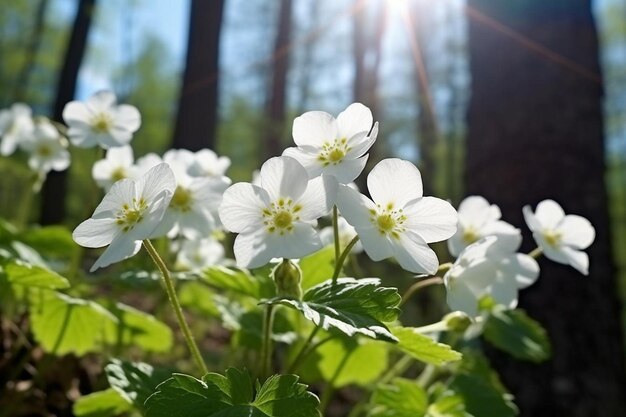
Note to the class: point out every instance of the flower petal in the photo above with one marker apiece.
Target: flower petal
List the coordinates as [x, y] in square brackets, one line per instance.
[314, 128]
[432, 218]
[242, 207]
[531, 220]
[95, 233]
[523, 269]
[376, 246]
[549, 214]
[476, 211]
[127, 117]
[577, 231]
[77, 112]
[319, 197]
[361, 142]
[121, 193]
[577, 259]
[347, 170]
[394, 181]
[283, 177]
[355, 207]
[156, 180]
[461, 297]
[413, 254]
[120, 248]
[355, 119]
[504, 291]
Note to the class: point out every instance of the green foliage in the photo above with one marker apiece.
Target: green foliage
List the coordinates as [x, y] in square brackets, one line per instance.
[52, 241]
[400, 398]
[423, 348]
[318, 267]
[239, 282]
[20, 273]
[134, 381]
[136, 328]
[517, 334]
[107, 403]
[231, 396]
[352, 306]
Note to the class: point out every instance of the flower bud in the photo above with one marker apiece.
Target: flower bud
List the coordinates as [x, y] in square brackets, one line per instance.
[287, 277]
[457, 321]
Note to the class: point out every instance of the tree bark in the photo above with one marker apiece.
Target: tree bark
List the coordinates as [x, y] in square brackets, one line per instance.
[196, 122]
[275, 107]
[55, 188]
[535, 131]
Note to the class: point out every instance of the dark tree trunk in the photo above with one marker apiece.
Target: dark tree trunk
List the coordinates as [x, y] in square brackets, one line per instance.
[536, 132]
[196, 122]
[55, 188]
[21, 84]
[275, 107]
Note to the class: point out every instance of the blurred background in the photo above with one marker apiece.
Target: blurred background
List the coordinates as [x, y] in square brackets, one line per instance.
[516, 100]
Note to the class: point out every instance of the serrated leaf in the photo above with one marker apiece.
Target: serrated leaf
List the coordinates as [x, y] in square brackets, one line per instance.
[318, 267]
[423, 348]
[21, 273]
[517, 334]
[134, 381]
[351, 306]
[107, 403]
[400, 398]
[64, 324]
[136, 328]
[231, 396]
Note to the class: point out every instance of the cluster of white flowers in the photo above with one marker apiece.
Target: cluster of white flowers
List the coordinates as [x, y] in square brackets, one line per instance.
[187, 195]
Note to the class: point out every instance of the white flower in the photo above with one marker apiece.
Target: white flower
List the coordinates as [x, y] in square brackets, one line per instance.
[477, 219]
[117, 165]
[346, 234]
[15, 123]
[128, 214]
[400, 222]
[337, 147]
[207, 164]
[278, 217]
[196, 255]
[99, 121]
[561, 237]
[489, 267]
[192, 212]
[47, 148]
[143, 164]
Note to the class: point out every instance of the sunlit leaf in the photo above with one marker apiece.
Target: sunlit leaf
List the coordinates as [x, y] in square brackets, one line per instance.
[136, 328]
[107, 403]
[21, 273]
[400, 398]
[134, 381]
[318, 267]
[423, 348]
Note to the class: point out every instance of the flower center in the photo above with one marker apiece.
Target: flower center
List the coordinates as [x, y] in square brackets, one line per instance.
[388, 220]
[552, 238]
[130, 215]
[118, 173]
[281, 215]
[333, 153]
[470, 236]
[44, 150]
[182, 199]
[101, 123]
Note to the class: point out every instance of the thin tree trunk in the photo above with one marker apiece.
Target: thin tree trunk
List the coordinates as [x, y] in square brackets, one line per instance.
[536, 132]
[275, 107]
[196, 122]
[55, 187]
[307, 62]
[21, 83]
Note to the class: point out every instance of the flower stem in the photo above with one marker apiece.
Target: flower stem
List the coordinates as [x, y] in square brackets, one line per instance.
[418, 286]
[266, 350]
[302, 351]
[336, 234]
[342, 258]
[171, 293]
[536, 253]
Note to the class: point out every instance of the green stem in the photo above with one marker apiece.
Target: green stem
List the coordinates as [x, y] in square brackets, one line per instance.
[342, 258]
[536, 253]
[310, 350]
[171, 293]
[398, 369]
[427, 376]
[336, 234]
[301, 353]
[419, 285]
[266, 350]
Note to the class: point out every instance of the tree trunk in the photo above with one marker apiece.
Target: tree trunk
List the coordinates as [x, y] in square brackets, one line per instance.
[55, 188]
[275, 107]
[535, 132]
[196, 122]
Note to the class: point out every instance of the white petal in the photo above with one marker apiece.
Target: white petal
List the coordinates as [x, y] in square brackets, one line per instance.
[577, 259]
[552, 253]
[127, 117]
[301, 241]
[242, 207]
[577, 231]
[121, 155]
[479, 275]
[456, 244]
[504, 292]
[475, 211]
[521, 268]
[531, 220]
[413, 254]
[120, 248]
[314, 128]
[95, 233]
[394, 181]
[319, 197]
[361, 142]
[196, 224]
[121, 193]
[251, 249]
[284, 177]
[355, 207]
[76, 111]
[376, 246]
[154, 182]
[460, 297]
[432, 218]
[347, 170]
[102, 100]
[355, 119]
[549, 213]
[307, 158]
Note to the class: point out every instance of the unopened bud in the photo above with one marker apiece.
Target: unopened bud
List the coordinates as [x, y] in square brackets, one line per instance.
[457, 321]
[287, 277]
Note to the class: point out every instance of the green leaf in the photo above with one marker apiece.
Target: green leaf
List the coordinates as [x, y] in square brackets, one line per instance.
[107, 403]
[21, 273]
[351, 306]
[400, 398]
[134, 381]
[423, 348]
[517, 334]
[51, 241]
[63, 324]
[237, 281]
[136, 328]
[231, 396]
[318, 267]
[198, 298]
[340, 361]
[445, 403]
